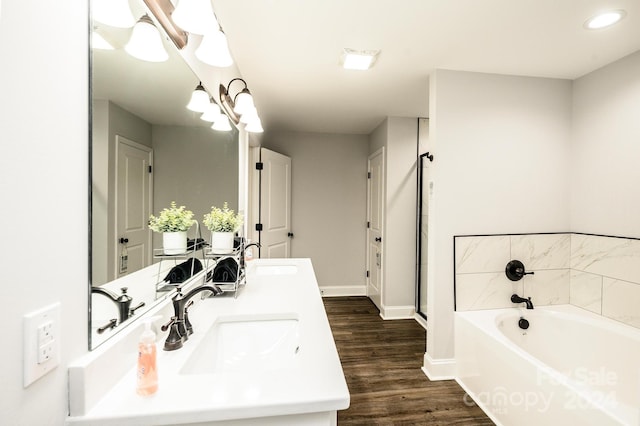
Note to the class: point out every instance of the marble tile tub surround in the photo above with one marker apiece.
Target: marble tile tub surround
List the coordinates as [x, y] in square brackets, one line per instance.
[595, 272]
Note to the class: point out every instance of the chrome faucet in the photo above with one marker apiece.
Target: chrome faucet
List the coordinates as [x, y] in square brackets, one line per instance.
[181, 328]
[122, 301]
[517, 299]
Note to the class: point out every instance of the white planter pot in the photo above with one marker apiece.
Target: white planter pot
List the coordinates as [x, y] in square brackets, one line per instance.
[174, 242]
[222, 242]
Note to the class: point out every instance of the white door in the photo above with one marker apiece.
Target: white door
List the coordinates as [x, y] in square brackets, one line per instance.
[133, 206]
[375, 201]
[275, 205]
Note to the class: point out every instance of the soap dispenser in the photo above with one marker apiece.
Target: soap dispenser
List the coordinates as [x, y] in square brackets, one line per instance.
[147, 372]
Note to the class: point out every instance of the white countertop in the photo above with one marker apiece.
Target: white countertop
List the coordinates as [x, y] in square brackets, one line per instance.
[313, 382]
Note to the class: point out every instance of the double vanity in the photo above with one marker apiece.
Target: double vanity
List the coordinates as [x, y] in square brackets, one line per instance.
[263, 356]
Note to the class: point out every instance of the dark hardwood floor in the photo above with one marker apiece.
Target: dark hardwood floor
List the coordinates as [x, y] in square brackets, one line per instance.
[382, 363]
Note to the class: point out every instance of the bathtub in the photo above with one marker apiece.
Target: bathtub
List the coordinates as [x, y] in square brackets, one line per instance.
[570, 367]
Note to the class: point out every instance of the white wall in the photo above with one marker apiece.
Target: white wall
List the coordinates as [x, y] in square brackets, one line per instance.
[399, 136]
[44, 184]
[501, 156]
[605, 150]
[329, 214]
[400, 215]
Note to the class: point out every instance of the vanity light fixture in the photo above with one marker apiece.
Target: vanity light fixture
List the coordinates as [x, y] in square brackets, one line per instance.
[115, 13]
[252, 121]
[228, 104]
[145, 42]
[199, 101]
[254, 126]
[214, 49]
[195, 16]
[605, 19]
[162, 10]
[212, 112]
[360, 60]
[222, 124]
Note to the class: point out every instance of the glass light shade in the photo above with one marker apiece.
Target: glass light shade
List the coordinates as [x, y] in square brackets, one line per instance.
[222, 124]
[199, 101]
[195, 16]
[98, 42]
[214, 50]
[211, 113]
[115, 13]
[145, 42]
[250, 115]
[243, 102]
[254, 126]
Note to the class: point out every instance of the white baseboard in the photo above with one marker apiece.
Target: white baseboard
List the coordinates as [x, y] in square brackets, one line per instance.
[397, 312]
[420, 320]
[439, 369]
[343, 290]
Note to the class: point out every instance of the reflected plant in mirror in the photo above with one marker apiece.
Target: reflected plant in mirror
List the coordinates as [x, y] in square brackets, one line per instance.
[147, 150]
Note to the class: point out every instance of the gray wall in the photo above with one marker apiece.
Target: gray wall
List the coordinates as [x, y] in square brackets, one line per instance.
[196, 167]
[329, 192]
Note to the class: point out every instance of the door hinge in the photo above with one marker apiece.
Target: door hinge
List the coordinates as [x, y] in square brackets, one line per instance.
[367, 274]
[258, 227]
[259, 166]
[368, 175]
[368, 224]
[150, 169]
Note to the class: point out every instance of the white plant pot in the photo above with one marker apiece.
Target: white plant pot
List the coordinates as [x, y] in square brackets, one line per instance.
[174, 242]
[222, 242]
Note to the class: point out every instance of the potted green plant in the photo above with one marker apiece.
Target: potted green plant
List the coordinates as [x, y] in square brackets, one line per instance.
[223, 223]
[173, 223]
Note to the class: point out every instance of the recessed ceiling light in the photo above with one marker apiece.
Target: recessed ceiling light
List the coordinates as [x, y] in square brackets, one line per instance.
[359, 59]
[605, 19]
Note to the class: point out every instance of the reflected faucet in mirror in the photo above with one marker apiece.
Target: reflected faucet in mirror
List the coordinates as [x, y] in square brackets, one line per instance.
[122, 301]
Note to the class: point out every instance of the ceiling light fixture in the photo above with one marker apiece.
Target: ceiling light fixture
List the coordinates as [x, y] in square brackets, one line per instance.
[145, 42]
[214, 50]
[195, 16]
[605, 19]
[360, 60]
[199, 101]
[115, 13]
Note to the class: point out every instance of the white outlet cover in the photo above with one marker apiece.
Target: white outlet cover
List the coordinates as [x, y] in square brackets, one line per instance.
[33, 324]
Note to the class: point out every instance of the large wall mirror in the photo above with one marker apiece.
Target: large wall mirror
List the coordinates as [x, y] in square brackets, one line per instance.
[147, 150]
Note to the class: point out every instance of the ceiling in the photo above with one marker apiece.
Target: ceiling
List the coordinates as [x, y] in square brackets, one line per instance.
[289, 51]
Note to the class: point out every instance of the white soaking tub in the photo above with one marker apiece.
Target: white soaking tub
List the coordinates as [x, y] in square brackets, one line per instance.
[570, 367]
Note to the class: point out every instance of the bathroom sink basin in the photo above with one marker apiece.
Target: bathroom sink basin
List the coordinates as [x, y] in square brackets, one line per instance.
[246, 344]
[276, 270]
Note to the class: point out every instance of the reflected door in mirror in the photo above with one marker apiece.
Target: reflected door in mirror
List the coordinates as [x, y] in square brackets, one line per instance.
[133, 197]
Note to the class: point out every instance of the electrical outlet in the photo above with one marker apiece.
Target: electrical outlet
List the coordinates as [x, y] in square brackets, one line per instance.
[41, 343]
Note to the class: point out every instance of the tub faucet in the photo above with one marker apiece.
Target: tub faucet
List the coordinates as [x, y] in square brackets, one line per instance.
[179, 333]
[517, 299]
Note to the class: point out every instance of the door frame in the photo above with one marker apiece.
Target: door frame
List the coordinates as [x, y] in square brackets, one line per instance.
[114, 232]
